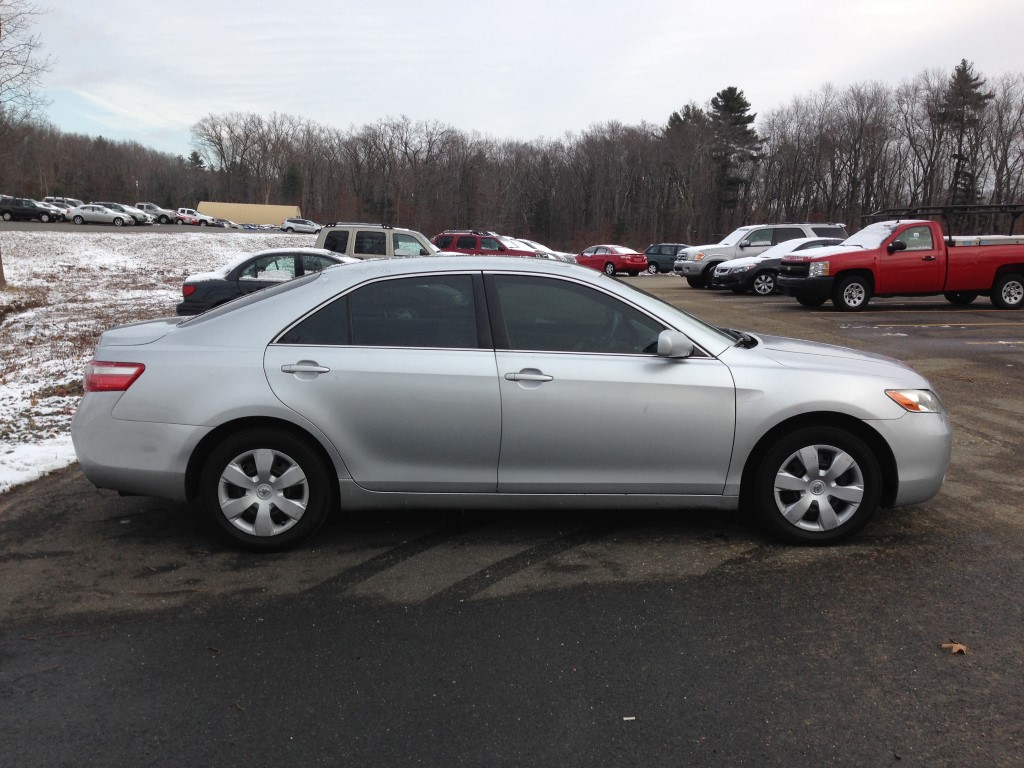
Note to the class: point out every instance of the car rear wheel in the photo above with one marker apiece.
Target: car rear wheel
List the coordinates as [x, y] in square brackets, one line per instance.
[7, 216]
[764, 283]
[1008, 292]
[807, 301]
[609, 268]
[652, 268]
[817, 485]
[266, 489]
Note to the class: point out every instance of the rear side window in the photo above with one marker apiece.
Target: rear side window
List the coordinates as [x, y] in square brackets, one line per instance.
[443, 241]
[337, 241]
[839, 232]
[370, 244]
[782, 234]
[466, 241]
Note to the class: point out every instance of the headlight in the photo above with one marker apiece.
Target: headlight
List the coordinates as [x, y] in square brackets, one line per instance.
[818, 269]
[916, 400]
[741, 269]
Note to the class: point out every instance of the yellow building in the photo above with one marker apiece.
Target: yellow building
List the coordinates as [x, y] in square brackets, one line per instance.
[244, 213]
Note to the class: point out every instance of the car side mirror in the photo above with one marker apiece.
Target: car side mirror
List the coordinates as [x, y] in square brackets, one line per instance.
[744, 243]
[673, 344]
[896, 245]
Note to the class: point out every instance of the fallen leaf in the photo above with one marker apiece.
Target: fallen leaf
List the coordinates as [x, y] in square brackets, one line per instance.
[954, 647]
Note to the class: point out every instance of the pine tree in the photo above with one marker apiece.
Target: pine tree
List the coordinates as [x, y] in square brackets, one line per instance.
[735, 151]
[962, 110]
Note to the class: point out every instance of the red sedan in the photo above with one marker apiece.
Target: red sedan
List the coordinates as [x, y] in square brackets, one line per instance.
[613, 258]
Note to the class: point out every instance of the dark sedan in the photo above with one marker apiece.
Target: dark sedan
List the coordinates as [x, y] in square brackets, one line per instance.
[252, 272]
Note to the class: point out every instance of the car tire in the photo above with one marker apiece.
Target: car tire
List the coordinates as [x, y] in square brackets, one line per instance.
[45, 218]
[609, 268]
[852, 293]
[287, 484]
[652, 268]
[118, 222]
[960, 298]
[78, 220]
[290, 230]
[697, 282]
[807, 301]
[1008, 291]
[823, 503]
[7, 216]
[202, 223]
[764, 283]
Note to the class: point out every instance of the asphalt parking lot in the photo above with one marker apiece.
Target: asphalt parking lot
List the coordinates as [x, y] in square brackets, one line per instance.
[130, 636]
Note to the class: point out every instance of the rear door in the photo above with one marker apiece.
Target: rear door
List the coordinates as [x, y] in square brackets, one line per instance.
[400, 375]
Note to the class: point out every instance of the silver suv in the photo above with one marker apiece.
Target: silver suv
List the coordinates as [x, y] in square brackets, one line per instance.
[697, 263]
[363, 241]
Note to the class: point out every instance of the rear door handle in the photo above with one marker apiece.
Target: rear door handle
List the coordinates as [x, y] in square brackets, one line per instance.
[304, 367]
[528, 377]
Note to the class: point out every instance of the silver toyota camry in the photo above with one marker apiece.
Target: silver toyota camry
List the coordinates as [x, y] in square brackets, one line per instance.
[497, 383]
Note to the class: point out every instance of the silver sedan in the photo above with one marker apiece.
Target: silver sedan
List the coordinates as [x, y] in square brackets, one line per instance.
[497, 383]
[98, 214]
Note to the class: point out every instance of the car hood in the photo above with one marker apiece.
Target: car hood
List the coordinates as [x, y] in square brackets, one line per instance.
[138, 333]
[746, 261]
[813, 254]
[796, 353]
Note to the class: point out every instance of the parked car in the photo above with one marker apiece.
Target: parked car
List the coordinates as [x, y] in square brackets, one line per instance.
[192, 214]
[64, 202]
[252, 272]
[500, 384]
[301, 225]
[373, 240]
[613, 258]
[476, 242]
[661, 257]
[185, 218]
[759, 273]
[161, 215]
[98, 214]
[225, 223]
[548, 253]
[697, 263]
[24, 209]
[132, 215]
[57, 212]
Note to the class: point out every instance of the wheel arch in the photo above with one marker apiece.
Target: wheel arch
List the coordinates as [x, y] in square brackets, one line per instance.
[1004, 269]
[202, 451]
[858, 272]
[879, 447]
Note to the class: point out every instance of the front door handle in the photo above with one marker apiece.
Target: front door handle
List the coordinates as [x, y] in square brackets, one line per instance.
[928, 258]
[525, 376]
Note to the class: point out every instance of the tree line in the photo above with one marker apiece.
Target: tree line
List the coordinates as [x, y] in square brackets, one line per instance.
[832, 155]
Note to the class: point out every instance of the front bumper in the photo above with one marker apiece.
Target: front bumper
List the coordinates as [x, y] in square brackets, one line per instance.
[806, 287]
[688, 268]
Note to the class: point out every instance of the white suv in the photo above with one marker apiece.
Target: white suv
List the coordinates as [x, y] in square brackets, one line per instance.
[697, 263]
[363, 241]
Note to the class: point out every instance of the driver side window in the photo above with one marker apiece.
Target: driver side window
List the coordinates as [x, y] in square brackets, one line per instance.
[549, 315]
[917, 239]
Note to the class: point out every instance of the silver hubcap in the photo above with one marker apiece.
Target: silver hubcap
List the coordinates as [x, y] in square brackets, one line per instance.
[764, 284]
[263, 492]
[1013, 292]
[854, 294]
[819, 488]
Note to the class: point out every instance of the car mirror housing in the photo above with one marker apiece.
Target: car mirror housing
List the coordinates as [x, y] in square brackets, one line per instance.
[674, 344]
[896, 245]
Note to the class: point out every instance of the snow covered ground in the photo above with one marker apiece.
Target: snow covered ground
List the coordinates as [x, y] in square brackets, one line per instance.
[63, 289]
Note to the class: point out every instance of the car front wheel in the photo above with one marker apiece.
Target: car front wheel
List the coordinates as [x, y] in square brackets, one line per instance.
[817, 485]
[852, 293]
[697, 282]
[266, 489]
[78, 220]
[118, 222]
[764, 283]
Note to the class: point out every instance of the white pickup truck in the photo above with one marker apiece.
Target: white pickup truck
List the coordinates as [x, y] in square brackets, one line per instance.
[202, 218]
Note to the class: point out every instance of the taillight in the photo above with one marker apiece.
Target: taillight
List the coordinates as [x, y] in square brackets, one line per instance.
[187, 290]
[111, 377]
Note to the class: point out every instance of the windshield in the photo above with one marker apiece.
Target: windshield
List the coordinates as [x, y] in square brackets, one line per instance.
[873, 235]
[729, 337]
[735, 236]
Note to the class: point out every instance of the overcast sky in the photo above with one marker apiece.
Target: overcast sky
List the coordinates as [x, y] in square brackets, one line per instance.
[524, 69]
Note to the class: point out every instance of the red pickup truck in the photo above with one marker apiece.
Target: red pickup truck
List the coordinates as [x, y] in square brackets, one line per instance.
[907, 258]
